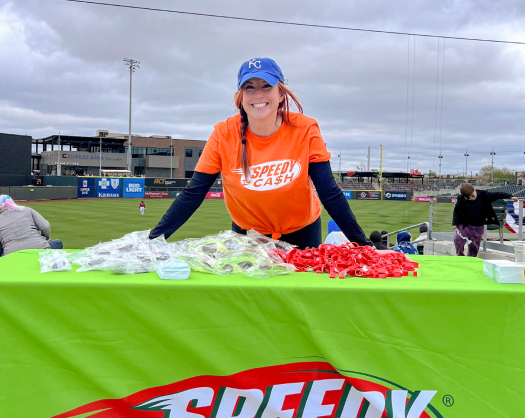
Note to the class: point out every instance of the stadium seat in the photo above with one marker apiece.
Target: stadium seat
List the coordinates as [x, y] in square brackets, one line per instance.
[500, 208]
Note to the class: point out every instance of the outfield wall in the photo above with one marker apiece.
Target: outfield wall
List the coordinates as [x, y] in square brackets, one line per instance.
[40, 193]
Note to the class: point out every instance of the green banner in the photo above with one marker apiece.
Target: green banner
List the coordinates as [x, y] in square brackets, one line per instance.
[447, 344]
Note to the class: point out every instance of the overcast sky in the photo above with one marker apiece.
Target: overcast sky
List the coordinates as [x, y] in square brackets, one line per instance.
[62, 70]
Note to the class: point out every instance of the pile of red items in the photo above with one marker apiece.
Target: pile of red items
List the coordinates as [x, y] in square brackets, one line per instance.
[350, 260]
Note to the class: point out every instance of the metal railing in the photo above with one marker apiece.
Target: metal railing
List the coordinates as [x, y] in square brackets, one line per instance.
[388, 235]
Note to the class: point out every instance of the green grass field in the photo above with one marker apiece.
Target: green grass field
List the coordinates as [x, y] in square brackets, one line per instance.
[83, 223]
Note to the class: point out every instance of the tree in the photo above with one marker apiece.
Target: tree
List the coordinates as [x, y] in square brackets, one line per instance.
[504, 173]
[486, 170]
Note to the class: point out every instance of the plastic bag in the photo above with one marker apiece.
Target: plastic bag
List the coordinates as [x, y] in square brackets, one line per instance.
[53, 260]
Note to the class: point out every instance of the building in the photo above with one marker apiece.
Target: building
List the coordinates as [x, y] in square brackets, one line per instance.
[15, 160]
[153, 156]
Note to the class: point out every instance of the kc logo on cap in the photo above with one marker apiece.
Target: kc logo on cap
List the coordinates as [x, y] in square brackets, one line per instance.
[255, 62]
[263, 68]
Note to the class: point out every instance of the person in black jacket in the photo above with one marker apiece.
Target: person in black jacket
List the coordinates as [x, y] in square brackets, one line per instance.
[375, 237]
[473, 210]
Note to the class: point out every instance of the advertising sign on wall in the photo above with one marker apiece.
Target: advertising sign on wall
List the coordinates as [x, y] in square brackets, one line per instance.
[395, 195]
[157, 195]
[368, 195]
[161, 182]
[86, 187]
[215, 195]
[348, 194]
[134, 188]
[108, 187]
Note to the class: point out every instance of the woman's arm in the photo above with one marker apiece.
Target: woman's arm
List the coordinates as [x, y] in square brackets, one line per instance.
[184, 205]
[335, 203]
[43, 226]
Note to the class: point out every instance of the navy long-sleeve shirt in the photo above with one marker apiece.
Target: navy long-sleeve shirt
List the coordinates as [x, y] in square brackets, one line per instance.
[329, 193]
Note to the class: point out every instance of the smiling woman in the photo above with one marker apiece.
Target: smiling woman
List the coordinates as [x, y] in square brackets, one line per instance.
[270, 158]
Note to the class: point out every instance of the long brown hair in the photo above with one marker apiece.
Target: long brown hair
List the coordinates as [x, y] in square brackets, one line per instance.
[289, 98]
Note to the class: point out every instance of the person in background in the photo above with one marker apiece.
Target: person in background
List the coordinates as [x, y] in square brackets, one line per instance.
[335, 236]
[423, 234]
[403, 244]
[473, 210]
[375, 237]
[142, 207]
[384, 238]
[271, 159]
[23, 228]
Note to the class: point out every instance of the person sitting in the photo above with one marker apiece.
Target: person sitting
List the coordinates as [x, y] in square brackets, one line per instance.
[375, 237]
[335, 236]
[23, 228]
[423, 234]
[403, 244]
[384, 238]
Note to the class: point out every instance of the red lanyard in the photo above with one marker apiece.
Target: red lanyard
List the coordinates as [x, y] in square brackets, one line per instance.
[351, 260]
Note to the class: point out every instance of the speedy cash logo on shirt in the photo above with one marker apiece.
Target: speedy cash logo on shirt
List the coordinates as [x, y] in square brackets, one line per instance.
[298, 390]
[271, 175]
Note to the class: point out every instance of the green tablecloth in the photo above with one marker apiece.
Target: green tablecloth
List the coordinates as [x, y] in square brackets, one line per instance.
[69, 339]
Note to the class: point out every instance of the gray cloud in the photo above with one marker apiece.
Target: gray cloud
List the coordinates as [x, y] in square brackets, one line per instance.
[66, 73]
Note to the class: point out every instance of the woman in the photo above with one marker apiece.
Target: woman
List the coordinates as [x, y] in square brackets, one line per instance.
[22, 228]
[270, 159]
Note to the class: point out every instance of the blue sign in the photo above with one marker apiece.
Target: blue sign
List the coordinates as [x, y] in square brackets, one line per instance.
[134, 188]
[395, 195]
[108, 187]
[348, 194]
[86, 187]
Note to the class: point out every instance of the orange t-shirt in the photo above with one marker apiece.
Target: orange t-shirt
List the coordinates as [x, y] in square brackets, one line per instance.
[280, 197]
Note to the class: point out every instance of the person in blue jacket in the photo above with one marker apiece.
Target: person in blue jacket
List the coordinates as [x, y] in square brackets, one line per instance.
[403, 244]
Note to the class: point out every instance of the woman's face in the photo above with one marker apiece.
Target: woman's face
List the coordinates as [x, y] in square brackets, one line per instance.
[260, 100]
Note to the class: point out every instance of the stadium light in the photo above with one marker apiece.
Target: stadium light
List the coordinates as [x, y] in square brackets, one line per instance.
[440, 158]
[340, 174]
[466, 166]
[100, 157]
[492, 169]
[132, 64]
[171, 157]
[59, 166]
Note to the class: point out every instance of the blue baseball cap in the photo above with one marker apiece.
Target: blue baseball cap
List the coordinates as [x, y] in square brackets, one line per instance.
[332, 226]
[264, 68]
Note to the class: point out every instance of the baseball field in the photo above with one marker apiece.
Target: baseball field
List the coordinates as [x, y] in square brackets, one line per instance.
[83, 223]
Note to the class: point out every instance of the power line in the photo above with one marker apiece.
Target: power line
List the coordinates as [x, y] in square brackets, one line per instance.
[279, 22]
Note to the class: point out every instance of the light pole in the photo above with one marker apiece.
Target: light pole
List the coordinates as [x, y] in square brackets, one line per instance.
[466, 161]
[340, 175]
[132, 64]
[440, 158]
[492, 169]
[59, 166]
[171, 157]
[100, 157]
